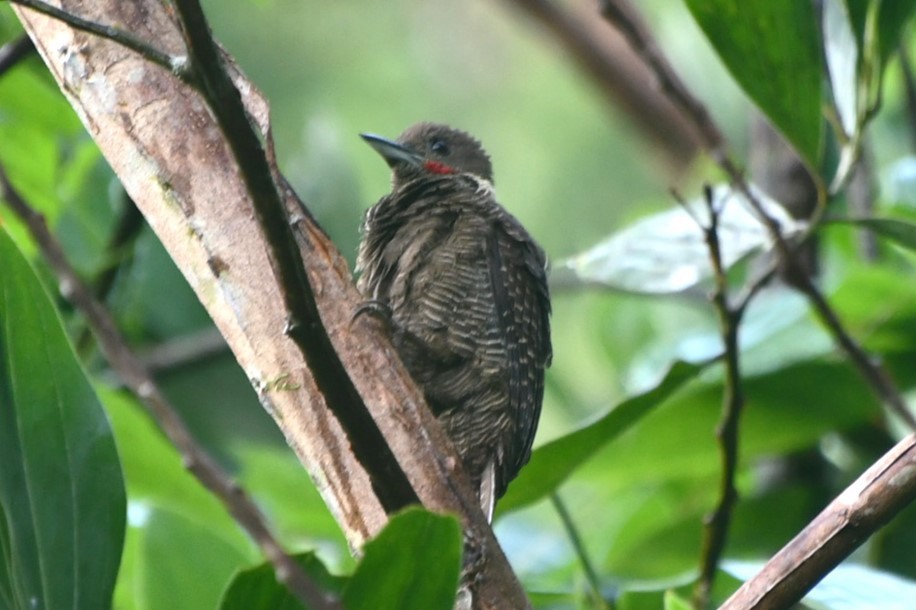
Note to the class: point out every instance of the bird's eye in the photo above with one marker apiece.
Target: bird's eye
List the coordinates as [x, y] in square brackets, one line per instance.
[439, 147]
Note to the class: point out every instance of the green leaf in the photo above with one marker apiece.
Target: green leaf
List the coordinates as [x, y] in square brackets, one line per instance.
[183, 563]
[552, 463]
[412, 564]
[787, 409]
[772, 49]
[258, 587]
[667, 252]
[673, 601]
[61, 490]
[158, 482]
[154, 471]
[892, 18]
[901, 232]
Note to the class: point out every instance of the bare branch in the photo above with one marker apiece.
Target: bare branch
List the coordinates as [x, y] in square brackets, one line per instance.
[605, 57]
[870, 502]
[138, 379]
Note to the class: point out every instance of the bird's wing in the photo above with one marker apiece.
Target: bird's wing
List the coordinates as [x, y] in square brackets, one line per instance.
[518, 280]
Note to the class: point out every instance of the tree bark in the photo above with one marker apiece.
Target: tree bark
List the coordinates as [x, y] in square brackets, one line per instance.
[163, 142]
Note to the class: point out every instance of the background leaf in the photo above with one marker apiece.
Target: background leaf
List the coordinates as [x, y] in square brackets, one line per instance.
[667, 252]
[61, 490]
[183, 562]
[772, 48]
[412, 564]
[901, 232]
[552, 463]
[257, 587]
[893, 17]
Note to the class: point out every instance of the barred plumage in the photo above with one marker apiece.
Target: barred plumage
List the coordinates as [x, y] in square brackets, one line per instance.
[467, 292]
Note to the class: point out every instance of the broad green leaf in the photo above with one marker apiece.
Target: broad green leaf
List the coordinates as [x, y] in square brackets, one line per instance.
[157, 481]
[270, 473]
[772, 48]
[154, 472]
[183, 563]
[901, 232]
[667, 252]
[413, 564]
[552, 463]
[673, 601]
[35, 122]
[61, 490]
[787, 409]
[258, 587]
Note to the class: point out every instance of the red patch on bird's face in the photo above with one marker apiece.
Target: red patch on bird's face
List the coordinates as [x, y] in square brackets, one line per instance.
[438, 167]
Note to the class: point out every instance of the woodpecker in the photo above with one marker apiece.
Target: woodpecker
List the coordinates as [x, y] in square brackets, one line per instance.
[464, 289]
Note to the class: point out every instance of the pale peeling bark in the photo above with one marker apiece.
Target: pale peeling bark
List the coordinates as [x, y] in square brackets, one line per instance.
[165, 146]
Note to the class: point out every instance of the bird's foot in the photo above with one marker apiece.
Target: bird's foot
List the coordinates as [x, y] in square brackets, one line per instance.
[377, 309]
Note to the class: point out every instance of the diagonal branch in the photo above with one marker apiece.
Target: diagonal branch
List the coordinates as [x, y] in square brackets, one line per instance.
[303, 320]
[140, 381]
[183, 160]
[887, 487]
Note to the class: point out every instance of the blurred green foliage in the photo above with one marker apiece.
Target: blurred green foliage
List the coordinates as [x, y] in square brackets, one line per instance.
[574, 171]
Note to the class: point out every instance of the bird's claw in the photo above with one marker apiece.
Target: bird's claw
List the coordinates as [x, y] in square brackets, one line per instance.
[380, 310]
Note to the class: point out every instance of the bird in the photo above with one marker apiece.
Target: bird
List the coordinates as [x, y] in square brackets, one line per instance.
[463, 289]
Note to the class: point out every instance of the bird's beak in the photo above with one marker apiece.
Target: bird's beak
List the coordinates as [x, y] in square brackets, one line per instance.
[391, 151]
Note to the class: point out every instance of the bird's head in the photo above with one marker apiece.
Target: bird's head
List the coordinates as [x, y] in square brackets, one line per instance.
[430, 148]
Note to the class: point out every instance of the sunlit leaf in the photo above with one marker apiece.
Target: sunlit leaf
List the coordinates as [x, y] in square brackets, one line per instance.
[673, 601]
[772, 48]
[841, 51]
[900, 232]
[413, 563]
[552, 463]
[258, 587]
[182, 563]
[787, 409]
[667, 252]
[61, 491]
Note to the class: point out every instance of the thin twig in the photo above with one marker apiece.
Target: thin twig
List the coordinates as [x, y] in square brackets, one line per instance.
[13, 52]
[176, 65]
[591, 575]
[619, 13]
[715, 532]
[138, 379]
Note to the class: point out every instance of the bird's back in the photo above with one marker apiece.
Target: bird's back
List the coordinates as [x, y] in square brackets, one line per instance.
[466, 287]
